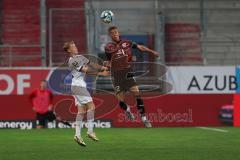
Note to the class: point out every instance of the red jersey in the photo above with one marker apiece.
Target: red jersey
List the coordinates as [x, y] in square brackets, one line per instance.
[41, 99]
[120, 54]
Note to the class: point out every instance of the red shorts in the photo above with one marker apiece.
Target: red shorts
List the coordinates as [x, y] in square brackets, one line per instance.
[123, 80]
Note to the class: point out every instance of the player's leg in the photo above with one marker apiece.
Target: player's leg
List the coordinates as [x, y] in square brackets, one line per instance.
[90, 119]
[121, 96]
[79, 119]
[120, 86]
[140, 105]
[81, 97]
[39, 121]
[79, 124]
[50, 116]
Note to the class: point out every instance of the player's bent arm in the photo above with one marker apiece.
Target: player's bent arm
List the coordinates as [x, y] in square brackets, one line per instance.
[146, 49]
[87, 70]
[104, 73]
[97, 66]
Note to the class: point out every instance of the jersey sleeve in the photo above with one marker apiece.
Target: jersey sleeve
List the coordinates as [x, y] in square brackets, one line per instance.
[108, 51]
[134, 45]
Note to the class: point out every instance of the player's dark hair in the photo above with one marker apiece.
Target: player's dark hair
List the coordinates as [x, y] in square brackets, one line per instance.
[112, 28]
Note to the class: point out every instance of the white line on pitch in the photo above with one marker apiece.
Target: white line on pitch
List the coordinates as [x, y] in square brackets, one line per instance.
[213, 129]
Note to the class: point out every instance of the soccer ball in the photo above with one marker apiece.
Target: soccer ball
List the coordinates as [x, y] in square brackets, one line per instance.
[107, 16]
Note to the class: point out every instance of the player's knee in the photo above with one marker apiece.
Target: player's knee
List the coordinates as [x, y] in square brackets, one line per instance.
[121, 99]
[90, 110]
[91, 106]
[80, 113]
[135, 91]
[120, 96]
[81, 110]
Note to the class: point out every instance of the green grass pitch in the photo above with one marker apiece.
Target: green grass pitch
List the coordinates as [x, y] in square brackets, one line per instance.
[122, 144]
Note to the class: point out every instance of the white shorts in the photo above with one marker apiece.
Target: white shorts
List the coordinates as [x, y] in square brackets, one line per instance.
[81, 95]
[82, 100]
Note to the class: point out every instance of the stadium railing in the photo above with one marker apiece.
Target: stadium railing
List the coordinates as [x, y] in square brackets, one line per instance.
[20, 55]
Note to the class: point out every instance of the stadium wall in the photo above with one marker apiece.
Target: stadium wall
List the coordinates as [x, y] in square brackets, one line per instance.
[1, 7]
[66, 22]
[215, 43]
[168, 110]
[180, 108]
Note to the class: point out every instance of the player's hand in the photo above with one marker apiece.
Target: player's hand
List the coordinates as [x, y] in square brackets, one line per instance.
[156, 54]
[104, 73]
[104, 68]
[84, 69]
[50, 107]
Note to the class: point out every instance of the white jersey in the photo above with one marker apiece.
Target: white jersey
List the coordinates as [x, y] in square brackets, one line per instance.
[75, 64]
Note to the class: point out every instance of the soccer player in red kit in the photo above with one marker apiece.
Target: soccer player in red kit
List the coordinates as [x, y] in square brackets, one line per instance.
[41, 99]
[119, 55]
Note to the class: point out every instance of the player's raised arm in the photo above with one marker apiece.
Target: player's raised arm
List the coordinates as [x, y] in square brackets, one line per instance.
[98, 67]
[88, 70]
[146, 49]
[108, 52]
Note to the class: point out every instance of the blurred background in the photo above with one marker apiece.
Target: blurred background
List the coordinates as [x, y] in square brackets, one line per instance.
[189, 32]
[198, 41]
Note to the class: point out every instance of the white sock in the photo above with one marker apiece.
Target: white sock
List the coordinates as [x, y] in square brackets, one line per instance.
[90, 126]
[79, 119]
[144, 118]
[128, 109]
[90, 120]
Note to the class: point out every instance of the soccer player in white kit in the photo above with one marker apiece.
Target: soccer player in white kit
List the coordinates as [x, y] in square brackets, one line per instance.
[79, 66]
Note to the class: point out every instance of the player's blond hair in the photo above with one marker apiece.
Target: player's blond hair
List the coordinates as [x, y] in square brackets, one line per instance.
[66, 45]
